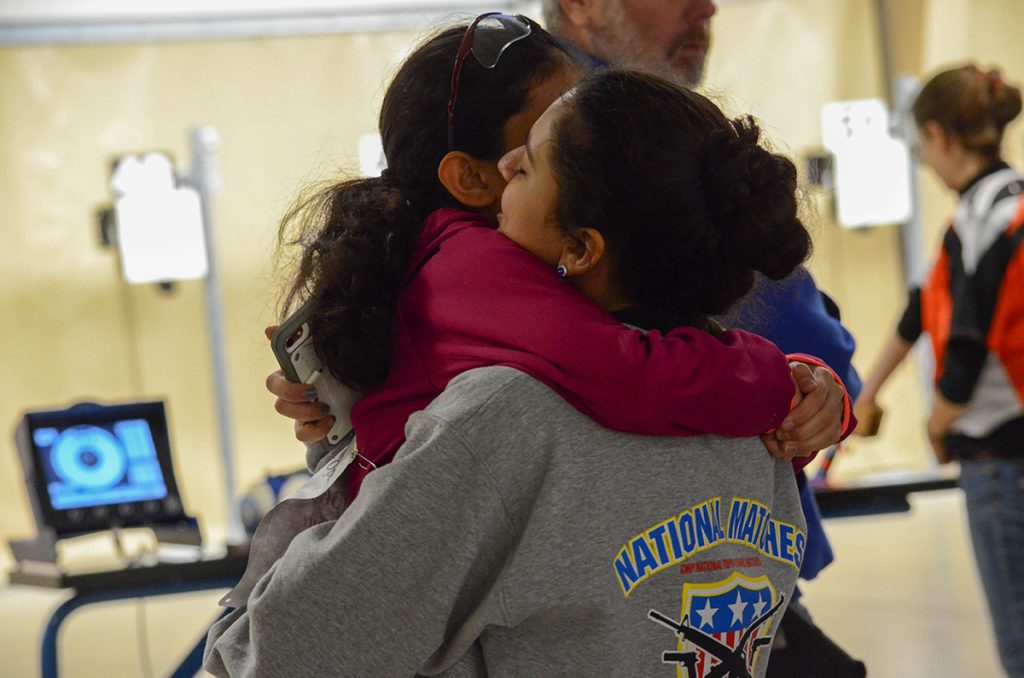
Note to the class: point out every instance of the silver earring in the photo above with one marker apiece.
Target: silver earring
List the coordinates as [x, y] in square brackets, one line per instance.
[562, 271]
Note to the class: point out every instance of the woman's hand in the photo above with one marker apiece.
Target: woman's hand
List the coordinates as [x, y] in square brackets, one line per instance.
[869, 416]
[299, 402]
[944, 413]
[816, 421]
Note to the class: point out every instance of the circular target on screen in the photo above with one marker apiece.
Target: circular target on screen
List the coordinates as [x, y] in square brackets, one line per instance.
[89, 456]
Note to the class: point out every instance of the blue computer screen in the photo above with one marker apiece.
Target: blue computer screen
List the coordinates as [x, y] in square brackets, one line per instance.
[99, 464]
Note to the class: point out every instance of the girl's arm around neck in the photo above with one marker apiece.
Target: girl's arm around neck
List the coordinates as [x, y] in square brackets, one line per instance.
[482, 300]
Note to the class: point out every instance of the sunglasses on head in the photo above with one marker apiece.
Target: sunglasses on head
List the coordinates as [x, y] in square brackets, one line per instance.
[486, 39]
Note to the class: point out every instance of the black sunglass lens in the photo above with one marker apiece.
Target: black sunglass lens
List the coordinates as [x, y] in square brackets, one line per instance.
[493, 36]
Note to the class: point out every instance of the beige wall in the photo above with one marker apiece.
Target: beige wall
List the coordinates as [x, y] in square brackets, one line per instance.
[289, 110]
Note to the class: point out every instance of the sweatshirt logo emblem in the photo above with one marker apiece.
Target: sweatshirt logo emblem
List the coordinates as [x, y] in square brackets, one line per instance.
[703, 526]
[722, 627]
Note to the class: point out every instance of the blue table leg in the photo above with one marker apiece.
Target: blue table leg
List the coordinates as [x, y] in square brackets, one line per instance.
[193, 661]
[49, 647]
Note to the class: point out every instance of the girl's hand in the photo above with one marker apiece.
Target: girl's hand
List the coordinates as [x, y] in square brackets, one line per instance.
[816, 420]
[299, 402]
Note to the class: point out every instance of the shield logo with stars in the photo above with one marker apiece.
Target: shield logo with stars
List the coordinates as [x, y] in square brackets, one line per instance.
[722, 627]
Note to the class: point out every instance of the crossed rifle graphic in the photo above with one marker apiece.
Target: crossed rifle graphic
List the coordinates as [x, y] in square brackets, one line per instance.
[733, 661]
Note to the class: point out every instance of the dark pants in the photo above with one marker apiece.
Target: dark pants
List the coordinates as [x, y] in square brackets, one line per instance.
[802, 650]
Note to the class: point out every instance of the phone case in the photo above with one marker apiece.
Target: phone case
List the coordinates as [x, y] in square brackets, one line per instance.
[293, 346]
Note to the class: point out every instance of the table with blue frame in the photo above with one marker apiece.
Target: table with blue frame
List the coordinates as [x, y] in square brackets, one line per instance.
[880, 494]
[872, 497]
[159, 579]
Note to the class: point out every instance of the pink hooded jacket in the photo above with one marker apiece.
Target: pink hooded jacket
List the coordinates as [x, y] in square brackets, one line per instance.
[474, 298]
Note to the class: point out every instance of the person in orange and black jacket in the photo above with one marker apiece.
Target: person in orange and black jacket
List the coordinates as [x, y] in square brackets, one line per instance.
[972, 308]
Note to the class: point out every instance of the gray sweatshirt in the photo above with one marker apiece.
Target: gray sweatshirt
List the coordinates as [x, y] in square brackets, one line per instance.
[512, 536]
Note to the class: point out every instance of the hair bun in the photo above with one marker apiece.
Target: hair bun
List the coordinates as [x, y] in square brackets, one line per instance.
[1006, 99]
[753, 194]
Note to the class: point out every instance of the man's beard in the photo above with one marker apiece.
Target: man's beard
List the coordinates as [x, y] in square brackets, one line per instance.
[618, 43]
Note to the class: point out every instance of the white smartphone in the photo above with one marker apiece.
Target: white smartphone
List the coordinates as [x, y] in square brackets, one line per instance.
[293, 346]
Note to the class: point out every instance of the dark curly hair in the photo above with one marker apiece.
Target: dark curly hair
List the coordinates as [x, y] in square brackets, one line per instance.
[690, 203]
[355, 237]
[974, 106]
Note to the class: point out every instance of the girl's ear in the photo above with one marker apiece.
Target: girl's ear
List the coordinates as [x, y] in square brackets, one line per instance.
[474, 183]
[584, 250]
